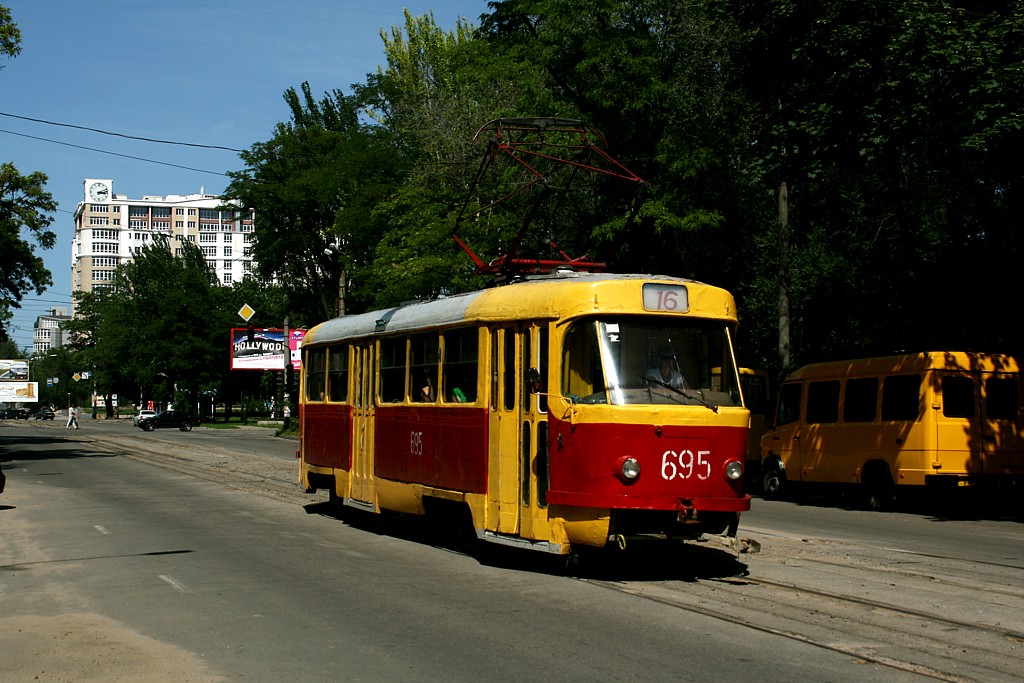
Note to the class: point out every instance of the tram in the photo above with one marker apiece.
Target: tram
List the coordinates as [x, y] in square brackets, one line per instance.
[561, 411]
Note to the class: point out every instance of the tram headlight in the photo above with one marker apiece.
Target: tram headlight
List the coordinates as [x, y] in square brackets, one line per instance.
[734, 470]
[629, 469]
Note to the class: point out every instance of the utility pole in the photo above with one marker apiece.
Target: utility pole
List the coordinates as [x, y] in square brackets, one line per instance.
[286, 376]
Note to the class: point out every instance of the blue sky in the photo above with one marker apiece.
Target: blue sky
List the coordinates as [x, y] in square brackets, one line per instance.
[208, 72]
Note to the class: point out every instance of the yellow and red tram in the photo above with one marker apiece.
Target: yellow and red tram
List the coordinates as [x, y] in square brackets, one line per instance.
[565, 410]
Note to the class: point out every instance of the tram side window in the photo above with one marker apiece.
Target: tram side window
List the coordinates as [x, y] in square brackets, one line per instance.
[789, 403]
[1001, 402]
[823, 402]
[957, 396]
[860, 402]
[459, 366]
[337, 373]
[426, 353]
[315, 367]
[901, 398]
[392, 370]
[581, 364]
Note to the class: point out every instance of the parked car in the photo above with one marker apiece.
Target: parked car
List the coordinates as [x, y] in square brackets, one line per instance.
[142, 415]
[45, 414]
[13, 414]
[182, 419]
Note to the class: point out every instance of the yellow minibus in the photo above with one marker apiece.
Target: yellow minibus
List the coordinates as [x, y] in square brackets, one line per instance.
[936, 420]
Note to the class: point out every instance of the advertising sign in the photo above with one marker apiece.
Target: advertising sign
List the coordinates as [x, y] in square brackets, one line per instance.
[13, 369]
[19, 392]
[265, 350]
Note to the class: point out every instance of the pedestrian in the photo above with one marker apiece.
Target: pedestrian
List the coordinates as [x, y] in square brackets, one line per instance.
[72, 419]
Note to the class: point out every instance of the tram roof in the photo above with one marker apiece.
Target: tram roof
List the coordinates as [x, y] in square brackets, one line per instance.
[549, 297]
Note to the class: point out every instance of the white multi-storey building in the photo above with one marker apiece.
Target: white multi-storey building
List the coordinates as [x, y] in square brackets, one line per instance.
[111, 228]
[48, 333]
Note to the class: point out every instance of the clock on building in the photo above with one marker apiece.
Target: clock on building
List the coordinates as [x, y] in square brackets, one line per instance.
[99, 192]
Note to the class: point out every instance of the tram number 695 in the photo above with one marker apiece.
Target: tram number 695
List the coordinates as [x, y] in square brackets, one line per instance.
[416, 443]
[684, 465]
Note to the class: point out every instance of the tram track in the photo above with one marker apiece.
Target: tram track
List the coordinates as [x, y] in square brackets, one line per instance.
[944, 618]
[909, 623]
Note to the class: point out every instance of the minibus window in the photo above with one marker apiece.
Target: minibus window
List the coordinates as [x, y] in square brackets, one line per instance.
[861, 400]
[823, 402]
[789, 403]
[1001, 399]
[901, 398]
[957, 396]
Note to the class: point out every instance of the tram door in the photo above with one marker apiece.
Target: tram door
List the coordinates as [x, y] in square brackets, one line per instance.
[503, 439]
[518, 430]
[361, 475]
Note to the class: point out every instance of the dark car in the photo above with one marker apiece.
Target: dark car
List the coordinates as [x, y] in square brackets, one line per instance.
[182, 419]
[13, 414]
[45, 414]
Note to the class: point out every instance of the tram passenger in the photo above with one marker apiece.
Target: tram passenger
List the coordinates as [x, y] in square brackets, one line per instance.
[666, 373]
[427, 393]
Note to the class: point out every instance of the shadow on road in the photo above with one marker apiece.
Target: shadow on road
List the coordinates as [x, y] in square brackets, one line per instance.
[642, 561]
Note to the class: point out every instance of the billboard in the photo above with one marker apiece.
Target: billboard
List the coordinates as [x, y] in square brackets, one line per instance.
[13, 369]
[19, 392]
[265, 350]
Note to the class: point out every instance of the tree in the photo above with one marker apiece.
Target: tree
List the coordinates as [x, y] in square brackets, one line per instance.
[10, 36]
[162, 328]
[311, 186]
[24, 206]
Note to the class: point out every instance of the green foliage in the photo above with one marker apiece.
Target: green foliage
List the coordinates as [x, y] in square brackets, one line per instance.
[10, 36]
[24, 209]
[313, 185]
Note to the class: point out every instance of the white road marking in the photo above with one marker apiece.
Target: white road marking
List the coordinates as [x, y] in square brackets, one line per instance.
[173, 583]
[102, 529]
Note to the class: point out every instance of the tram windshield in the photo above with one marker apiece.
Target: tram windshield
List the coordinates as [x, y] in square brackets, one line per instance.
[642, 360]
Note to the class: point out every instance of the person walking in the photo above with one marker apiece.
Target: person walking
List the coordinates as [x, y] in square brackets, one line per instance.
[72, 419]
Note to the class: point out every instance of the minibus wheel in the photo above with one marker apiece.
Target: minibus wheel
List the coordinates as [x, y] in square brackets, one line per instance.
[773, 481]
[879, 490]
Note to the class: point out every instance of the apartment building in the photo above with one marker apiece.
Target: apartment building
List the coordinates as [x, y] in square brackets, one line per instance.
[111, 228]
[48, 332]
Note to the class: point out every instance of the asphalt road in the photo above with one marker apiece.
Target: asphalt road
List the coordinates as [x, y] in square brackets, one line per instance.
[121, 567]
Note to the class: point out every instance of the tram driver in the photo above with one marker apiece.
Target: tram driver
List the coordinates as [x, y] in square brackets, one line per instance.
[666, 374]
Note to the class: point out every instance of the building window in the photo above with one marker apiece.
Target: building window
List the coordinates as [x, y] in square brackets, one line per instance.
[99, 220]
[209, 251]
[179, 211]
[98, 208]
[227, 278]
[207, 237]
[179, 224]
[191, 212]
[227, 252]
[191, 224]
[227, 265]
[138, 211]
[227, 237]
[161, 212]
[138, 225]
